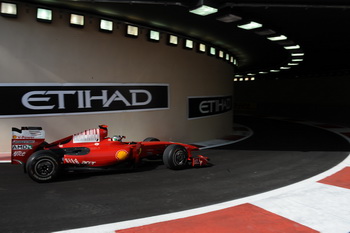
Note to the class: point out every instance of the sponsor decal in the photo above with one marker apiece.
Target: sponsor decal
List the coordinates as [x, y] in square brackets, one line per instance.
[23, 141]
[71, 161]
[121, 155]
[27, 134]
[88, 162]
[76, 161]
[22, 137]
[22, 147]
[208, 106]
[19, 153]
[48, 99]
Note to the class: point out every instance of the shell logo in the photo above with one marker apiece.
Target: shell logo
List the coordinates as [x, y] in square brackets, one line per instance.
[121, 155]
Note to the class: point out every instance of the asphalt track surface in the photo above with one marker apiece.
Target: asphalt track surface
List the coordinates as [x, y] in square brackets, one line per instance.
[278, 154]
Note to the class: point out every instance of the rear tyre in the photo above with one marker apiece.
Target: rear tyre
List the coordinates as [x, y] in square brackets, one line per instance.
[156, 156]
[43, 166]
[151, 139]
[175, 157]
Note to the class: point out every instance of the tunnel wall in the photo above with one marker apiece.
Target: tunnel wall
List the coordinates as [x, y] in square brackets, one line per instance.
[36, 53]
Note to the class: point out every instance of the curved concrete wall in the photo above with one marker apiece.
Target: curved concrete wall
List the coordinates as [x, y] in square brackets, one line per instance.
[35, 52]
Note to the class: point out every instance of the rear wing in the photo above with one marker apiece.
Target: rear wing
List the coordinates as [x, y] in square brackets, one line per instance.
[25, 141]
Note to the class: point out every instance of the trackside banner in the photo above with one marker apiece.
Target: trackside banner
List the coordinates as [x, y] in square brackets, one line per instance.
[199, 107]
[35, 99]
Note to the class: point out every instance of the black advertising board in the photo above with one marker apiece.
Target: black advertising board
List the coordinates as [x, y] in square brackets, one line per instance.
[206, 106]
[35, 99]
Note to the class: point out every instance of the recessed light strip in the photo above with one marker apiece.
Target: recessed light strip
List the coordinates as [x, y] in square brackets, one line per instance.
[277, 38]
[250, 26]
[291, 47]
[204, 10]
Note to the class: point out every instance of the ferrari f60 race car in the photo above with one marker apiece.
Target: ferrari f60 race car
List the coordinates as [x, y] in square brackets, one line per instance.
[92, 149]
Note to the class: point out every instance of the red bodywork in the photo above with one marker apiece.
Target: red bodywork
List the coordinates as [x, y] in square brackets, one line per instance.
[91, 148]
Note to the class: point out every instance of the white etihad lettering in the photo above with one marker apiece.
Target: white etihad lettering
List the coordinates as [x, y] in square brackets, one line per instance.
[212, 106]
[134, 97]
[117, 96]
[88, 98]
[60, 95]
[27, 100]
[83, 99]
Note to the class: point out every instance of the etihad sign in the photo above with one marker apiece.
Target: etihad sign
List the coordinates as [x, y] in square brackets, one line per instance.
[39, 100]
[35, 99]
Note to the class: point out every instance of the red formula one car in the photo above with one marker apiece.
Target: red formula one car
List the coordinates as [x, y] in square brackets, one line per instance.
[92, 149]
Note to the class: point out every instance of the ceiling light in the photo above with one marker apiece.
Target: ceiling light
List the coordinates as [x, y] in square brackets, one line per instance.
[285, 68]
[293, 64]
[77, 20]
[292, 47]
[202, 48]
[274, 71]
[297, 60]
[188, 44]
[277, 38]
[173, 40]
[229, 18]
[204, 10]
[212, 51]
[297, 54]
[132, 31]
[44, 15]
[154, 35]
[9, 9]
[263, 72]
[106, 25]
[232, 59]
[250, 26]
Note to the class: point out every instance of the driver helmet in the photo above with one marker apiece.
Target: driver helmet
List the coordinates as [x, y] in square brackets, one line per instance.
[117, 138]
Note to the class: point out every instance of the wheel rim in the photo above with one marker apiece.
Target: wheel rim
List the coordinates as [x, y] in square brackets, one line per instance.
[180, 157]
[44, 168]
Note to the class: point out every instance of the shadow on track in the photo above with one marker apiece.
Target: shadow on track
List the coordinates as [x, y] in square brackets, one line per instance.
[85, 173]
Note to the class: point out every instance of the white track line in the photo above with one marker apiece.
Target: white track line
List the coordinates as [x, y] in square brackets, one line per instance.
[318, 206]
[112, 227]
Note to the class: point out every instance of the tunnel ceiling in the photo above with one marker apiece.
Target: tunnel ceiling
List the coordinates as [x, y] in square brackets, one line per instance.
[321, 28]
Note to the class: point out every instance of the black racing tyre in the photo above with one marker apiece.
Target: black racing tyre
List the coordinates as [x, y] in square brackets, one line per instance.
[41, 147]
[175, 157]
[151, 139]
[43, 166]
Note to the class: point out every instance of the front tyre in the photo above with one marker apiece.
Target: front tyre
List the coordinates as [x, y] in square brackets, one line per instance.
[175, 157]
[43, 166]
